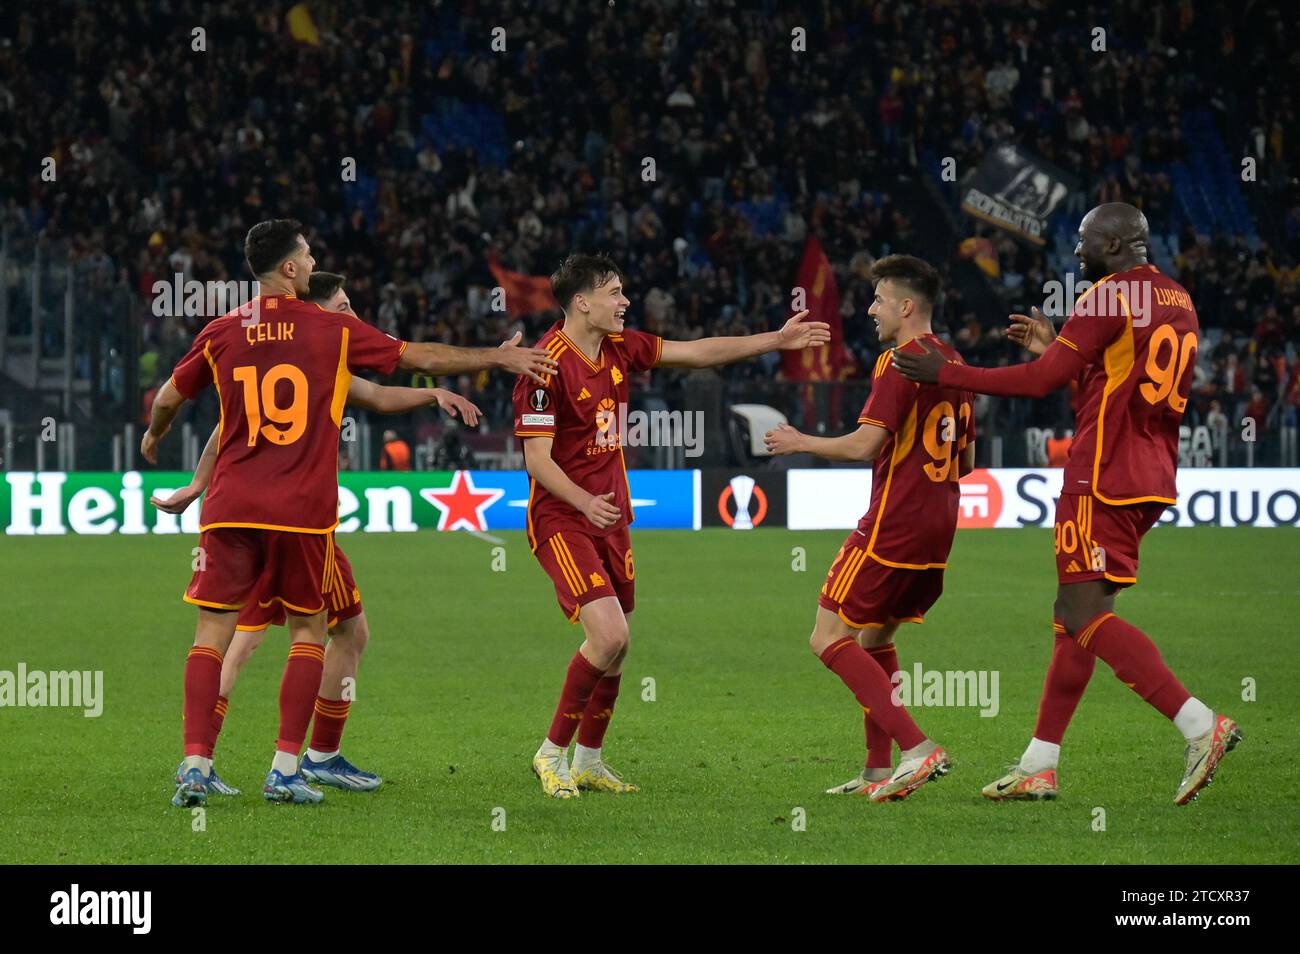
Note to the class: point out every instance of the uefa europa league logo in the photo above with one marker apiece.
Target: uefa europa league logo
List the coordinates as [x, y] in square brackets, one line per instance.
[741, 490]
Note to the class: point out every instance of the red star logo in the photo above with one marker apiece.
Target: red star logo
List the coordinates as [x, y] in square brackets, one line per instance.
[461, 505]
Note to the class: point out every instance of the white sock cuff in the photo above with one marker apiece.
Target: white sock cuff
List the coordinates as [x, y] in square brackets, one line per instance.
[1194, 719]
[286, 763]
[1040, 756]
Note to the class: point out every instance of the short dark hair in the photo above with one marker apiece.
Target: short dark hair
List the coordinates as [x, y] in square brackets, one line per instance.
[920, 277]
[582, 273]
[269, 243]
[322, 286]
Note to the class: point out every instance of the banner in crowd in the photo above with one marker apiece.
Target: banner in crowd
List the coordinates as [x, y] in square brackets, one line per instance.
[525, 294]
[1017, 191]
[822, 299]
[1207, 496]
[52, 503]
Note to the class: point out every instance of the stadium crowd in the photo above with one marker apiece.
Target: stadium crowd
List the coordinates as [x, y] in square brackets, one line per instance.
[460, 148]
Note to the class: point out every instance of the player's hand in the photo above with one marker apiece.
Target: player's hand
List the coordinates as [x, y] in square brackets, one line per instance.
[919, 367]
[533, 362]
[1033, 332]
[149, 446]
[179, 501]
[796, 333]
[601, 511]
[782, 439]
[455, 405]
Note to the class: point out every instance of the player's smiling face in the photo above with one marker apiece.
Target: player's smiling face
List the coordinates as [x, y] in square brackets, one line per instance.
[606, 306]
[339, 302]
[887, 309]
[1090, 250]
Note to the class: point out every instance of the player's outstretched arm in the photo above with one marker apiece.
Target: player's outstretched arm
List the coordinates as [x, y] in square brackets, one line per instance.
[166, 404]
[860, 445]
[438, 359]
[598, 508]
[1033, 332]
[392, 400]
[180, 501]
[795, 334]
[1038, 378]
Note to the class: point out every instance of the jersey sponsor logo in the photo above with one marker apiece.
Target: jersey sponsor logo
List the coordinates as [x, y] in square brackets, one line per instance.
[604, 415]
[742, 490]
[539, 400]
[539, 420]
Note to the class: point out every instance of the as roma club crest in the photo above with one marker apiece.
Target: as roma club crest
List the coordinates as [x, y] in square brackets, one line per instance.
[540, 400]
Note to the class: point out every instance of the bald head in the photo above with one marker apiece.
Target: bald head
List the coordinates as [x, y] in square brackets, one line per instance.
[1112, 238]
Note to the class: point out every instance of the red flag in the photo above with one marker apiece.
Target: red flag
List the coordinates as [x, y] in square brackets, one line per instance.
[525, 294]
[832, 361]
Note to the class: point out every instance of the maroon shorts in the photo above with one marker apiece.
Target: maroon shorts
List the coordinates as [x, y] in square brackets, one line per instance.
[234, 564]
[342, 600]
[1096, 540]
[864, 592]
[585, 568]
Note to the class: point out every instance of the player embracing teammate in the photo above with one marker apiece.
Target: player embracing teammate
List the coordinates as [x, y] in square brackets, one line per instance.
[349, 629]
[1131, 343]
[282, 368]
[579, 506]
[890, 569]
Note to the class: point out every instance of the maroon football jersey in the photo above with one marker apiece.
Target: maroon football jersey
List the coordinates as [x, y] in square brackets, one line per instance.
[282, 382]
[580, 409]
[914, 489]
[1138, 332]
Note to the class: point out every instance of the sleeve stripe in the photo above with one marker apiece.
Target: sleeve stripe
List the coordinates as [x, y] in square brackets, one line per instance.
[1067, 342]
[534, 433]
[867, 420]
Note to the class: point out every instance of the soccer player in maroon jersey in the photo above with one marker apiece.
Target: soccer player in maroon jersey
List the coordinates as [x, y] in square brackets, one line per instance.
[890, 569]
[578, 503]
[281, 367]
[1130, 342]
[349, 630]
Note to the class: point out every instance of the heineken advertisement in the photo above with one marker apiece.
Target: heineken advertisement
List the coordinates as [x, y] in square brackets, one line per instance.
[53, 502]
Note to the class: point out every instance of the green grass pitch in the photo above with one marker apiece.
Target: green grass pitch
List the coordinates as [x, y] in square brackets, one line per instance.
[746, 726]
